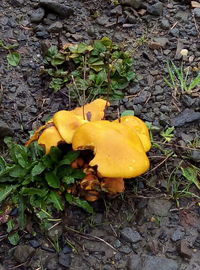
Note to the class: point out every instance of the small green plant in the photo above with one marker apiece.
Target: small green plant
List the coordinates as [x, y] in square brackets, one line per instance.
[13, 58]
[36, 183]
[181, 180]
[99, 69]
[181, 79]
[168, 134]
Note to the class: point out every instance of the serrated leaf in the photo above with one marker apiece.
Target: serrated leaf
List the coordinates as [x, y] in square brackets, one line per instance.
[14, 58]
[69, 158]
[80, 203]
[191, 174]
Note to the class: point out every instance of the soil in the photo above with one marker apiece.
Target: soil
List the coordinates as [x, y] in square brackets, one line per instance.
[153, 225]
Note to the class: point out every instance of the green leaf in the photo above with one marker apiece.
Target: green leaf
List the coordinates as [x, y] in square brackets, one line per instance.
[56, 200]
[191, 174]
[55, 154]
[58, 59]
[22, 216]
[5, 191]
[69, 158]
[127, 113]
[77, 173]
[41, 192]
[10, 225]
[101, 77]
[52, 179]
[14, 238]
[17, 172]
[68, 180]
[38, 169]
[14, 58]
[80, 203]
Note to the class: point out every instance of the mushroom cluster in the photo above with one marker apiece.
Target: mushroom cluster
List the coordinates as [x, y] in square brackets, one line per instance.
[119, 147]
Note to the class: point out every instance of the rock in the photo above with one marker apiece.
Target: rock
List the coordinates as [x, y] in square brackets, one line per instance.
[23, 252]
[66, 249]
[194, 263]
[130, 235]
[185, 117]
[133, 3]
[158, 43]
[156, 9]
[37, 15]
[64, 259]
[52, 263]
[142, 97]
[182, 16]
[159, 207]
[185, 251]
[129, 17]
[188, 101]
[197, 12]
[125, 249]
[174, 32]
[178, 234]
[117, 10]
[34, 243]
[179, 48]
[145, 262]
[55, 27]
[16, 3]
[5, 130]
[54, 6]
[165, 24]
[102, 20]
[195, 155]
[55, 233]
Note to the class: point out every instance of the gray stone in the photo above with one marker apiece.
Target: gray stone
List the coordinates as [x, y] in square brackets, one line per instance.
[158, 43]
[178, 234]
[102, 20]
[23, 252]
[145, 262]
[133, 3]
[55, 27]
[16, 3]
[125, 249]
[156, 9]
[55, 233]
[195, 155]
[117, 10]
[60, 9]
[185, 251]
[185, 117]
[5, 130]
[130, 235]
[159, 207]
[188, 101]
[182, 16]
[197, 12]
[142, 97]
[52, 263]
[174, 32]
[64, 259]
[37, 15]
[165, 24]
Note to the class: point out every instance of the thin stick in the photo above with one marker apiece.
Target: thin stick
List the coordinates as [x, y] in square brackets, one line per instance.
[164, 160]
[88, 236]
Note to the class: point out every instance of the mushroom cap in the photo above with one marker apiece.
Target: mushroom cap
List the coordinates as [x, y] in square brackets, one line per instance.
[38, 132]
[49, 137]
[117, 148]
[138, 126]
[66, 123]
[92, 111]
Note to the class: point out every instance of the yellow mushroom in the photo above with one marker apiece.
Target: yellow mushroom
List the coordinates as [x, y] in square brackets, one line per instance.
[93, 111]
[49, 137]
[118, 151]
[138, 126]
[112, 185]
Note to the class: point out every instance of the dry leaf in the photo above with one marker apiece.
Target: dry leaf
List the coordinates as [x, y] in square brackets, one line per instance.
[195, 4]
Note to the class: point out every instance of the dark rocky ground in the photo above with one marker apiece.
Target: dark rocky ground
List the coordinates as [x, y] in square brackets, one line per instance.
[144, 229]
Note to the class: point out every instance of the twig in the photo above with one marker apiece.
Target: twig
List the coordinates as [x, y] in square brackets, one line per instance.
[164, 160]
[89, 237]
[54, 225]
